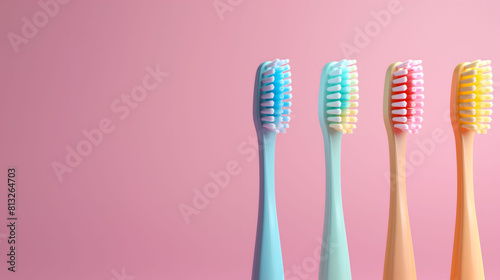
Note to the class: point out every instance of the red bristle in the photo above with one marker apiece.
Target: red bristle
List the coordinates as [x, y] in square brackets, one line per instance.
[413, 87]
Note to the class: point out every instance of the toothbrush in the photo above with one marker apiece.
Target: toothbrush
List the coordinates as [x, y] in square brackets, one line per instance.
[271, 116]
[403, 102]
[469, 111]
[337, 97]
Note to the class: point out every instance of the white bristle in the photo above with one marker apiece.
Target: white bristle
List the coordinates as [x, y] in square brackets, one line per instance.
[335, 72]
[469, 73]
[334, 119]
[267, 103]
[333, 96]
[471, 65]
[269, 72]
[470, 126]
[400, 119]
[268, 80]
[335, 80]
[468, 81]
[469, 88]
[467, 96]
[399, 96]
[333, 104]
[467, 112]
[401, 126]
[399, 88]
[334, 112]
[399, 104]
[399, 112]
[267, 88]
[271, 126]
[400, 80]
[468, 104]
[267, 96]
[334, 88]
[400, 73]
[468, 119]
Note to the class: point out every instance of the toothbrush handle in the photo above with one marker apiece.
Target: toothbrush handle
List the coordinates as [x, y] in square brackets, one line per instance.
[399, 259]
[334, 252]
[467, 262]
[268, 262]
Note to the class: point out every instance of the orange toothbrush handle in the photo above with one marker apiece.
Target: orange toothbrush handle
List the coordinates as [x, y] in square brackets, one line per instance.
[467, 262]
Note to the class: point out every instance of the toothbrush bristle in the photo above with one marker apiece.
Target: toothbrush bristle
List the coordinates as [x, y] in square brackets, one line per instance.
[475, 96]
[407, 98]
[341, 96]
[275, 95]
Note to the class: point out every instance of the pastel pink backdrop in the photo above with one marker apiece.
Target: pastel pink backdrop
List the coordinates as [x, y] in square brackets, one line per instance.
[118, 212]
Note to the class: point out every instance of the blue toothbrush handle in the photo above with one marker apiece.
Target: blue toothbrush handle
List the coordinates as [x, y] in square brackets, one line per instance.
[334, 263]
[268, 262]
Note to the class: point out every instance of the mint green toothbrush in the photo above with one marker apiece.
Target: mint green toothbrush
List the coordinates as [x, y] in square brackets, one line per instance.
[271, 92]
[337, 92]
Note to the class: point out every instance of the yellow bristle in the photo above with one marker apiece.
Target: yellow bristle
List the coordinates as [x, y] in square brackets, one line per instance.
[474, 96]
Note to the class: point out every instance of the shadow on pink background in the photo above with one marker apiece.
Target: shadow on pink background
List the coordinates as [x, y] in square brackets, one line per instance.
[116, 212]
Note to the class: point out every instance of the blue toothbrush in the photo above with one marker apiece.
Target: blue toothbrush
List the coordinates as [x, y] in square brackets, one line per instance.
[271, 110]
[337, 95]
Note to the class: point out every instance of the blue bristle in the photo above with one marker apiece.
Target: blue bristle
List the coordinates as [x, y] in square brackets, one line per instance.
[279, 85]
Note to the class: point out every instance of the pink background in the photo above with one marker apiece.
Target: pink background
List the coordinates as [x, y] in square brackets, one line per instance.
[116, 215]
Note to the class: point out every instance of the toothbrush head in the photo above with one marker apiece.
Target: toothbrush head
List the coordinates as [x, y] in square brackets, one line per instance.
[471, 99]
[272, 96]
[404, 98]
[338, 96]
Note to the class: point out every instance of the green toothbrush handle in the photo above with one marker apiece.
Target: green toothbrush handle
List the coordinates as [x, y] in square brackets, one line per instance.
[334, 263]
[268, 262]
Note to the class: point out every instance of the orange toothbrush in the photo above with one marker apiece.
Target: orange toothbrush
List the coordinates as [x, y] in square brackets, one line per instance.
[469, 111]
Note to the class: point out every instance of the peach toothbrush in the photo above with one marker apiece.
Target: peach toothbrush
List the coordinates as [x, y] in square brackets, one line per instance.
[471, 97]
[403, 102]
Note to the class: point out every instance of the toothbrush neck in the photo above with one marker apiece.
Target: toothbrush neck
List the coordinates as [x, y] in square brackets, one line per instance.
[267, 143]
[464, 143]
[333, 143]
[398, 161]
